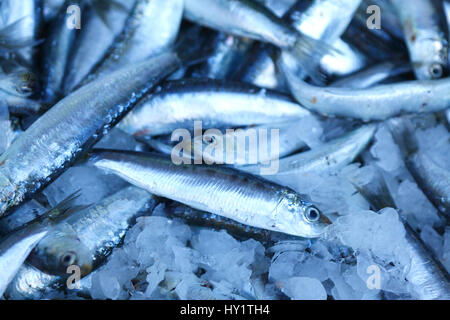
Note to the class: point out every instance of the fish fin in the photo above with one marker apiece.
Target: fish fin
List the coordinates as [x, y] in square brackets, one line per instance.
[308, 52]
[66, 207]
[402, 131]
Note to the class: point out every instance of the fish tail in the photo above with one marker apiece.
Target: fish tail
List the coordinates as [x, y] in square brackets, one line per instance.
[10, 41]
[308, 52]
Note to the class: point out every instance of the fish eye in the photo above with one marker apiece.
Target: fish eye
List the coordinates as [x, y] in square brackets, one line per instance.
[69, 258]
[436, 70]
[312, 214]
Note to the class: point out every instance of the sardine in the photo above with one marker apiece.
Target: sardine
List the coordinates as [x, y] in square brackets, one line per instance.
[332, 155]
[432, 179]
[95, 38]
[86, 238]
[376, 103]
[74, 124]
[223, 191]
[15, 247]
[379, 73]
[58, 47]
[176, 105]
[427, 45]
[233, 17]
[150, 29]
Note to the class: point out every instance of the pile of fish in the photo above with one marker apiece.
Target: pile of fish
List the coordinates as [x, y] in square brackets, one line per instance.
[120, 177]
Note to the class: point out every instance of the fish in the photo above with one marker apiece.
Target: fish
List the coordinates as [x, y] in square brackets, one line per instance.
[232, 16]
[96, 37]
[74, 124]
[86, 238]
[432, 179]
[58, 47]
[176, 105]
[220, 190]
[151, 29]
[379, 102]
[426, 275]
[29, 13]
[16, 246]
[325, 21]
[330, 156]
[426, 41]
[379, 73]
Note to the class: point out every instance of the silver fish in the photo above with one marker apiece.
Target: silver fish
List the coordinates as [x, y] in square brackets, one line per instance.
[232, 16]
[432, 179]
[332, 155]
[427, 45]
[30, 13]
[176, 105]
[15, 247]
[376, 103]
[54, 141]
[87, 237]
[95, 38]
[374, 75]
[57, 52]
[223, 191]
[151, 29]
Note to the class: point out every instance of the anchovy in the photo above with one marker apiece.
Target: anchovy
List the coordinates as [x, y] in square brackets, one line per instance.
[151, 29]
[58, 47]
[87, 237]
[96, 36]
[223, 191]
[232, 16]
[376, 103]
[30, 13]
[15, 247]
[433, 179]
[178, 104]
[332, 155]
[54, 141]
[379, 73]
[323, 20]
[427, 45]
[282, 140]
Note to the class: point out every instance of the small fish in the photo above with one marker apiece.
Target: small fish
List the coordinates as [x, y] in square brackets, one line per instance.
[376, 103]
[426, 275]
[57, 138]
[233, 16]
[432, 179]
[427, 45]
[379, 73]
[96, 37]
[15, 247]
[332, 155]
[58, 47]
[150, 29]
[223, 191]
[87, 237]
[176, 105]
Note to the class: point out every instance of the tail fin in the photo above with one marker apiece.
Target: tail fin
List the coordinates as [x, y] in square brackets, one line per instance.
[308, 52]
[65, 208]
[102, 7]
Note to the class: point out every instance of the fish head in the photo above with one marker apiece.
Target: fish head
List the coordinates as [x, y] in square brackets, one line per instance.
[60, 250]
[430, 60]
[300, 217]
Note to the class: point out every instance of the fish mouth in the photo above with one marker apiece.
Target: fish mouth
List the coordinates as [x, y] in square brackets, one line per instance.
[324, 220]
